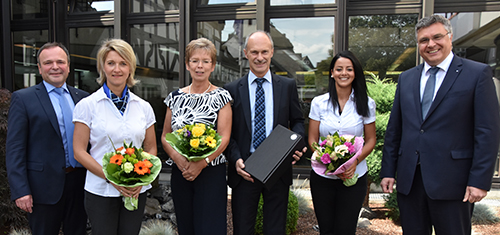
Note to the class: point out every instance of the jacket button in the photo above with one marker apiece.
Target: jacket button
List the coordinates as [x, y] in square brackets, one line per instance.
[421, 131]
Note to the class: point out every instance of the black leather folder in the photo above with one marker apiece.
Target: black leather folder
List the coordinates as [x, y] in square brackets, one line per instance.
[274, 155]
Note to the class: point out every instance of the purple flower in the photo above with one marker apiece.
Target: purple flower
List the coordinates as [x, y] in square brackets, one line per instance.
[325, 159]
[323, 143]
[350, 147]
[187, 134]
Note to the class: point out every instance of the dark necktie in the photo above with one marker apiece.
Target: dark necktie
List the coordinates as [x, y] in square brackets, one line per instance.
[259, 132]
[429, 91]
[68, 125]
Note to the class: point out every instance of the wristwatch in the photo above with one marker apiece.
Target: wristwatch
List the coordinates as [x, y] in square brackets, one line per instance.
[207, 160]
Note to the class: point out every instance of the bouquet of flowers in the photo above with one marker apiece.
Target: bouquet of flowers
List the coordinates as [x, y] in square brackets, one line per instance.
[195, 142]
[335, 154]
[129, 166]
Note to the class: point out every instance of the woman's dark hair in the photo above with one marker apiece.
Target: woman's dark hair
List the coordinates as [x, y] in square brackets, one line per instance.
[358, 84]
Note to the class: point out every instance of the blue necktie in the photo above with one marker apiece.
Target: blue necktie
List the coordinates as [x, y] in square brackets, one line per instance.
[429, 91]
[259, 132]
[69, 127]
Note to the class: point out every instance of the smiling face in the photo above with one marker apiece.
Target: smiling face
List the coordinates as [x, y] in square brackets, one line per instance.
[200, 65]
[117, 71]
[434, 43]
[259, 51]
[53, 66]
[343, 73]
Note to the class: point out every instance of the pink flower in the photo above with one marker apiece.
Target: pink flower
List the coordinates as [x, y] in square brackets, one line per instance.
[323, 143]
[350, 147]
[325, 159]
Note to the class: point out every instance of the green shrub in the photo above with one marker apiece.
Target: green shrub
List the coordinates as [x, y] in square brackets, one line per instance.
[374, 160]
[483, 214]
[391, 203]
[292, 215]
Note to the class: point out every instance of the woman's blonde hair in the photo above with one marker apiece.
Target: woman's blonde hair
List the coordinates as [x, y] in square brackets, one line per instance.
[203, 44]
[124, 50]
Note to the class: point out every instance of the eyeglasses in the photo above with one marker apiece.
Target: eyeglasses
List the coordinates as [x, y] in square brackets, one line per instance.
[435, 38]
[204, 62]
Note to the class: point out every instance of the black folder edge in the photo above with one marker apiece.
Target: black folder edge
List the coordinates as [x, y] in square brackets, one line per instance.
[254, 164]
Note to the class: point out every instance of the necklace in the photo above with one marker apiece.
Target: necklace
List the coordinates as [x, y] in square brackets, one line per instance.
[198, 95]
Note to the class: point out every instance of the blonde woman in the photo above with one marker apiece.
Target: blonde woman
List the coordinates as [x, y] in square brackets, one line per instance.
[112, 112]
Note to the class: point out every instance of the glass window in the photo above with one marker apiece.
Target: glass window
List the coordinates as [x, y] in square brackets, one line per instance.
[29, 9]
[299, 2]
[303, 50]
[384, 44]
[87, 6]
[26, 45]
[158, 65]
[213, 2]
[228, 37]
[83, 46]
[154, 5]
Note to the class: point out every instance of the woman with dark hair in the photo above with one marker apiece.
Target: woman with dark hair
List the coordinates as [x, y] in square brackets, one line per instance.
[348, 110]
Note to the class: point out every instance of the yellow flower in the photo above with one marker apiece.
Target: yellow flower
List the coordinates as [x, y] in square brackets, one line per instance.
[211, 142]
[198, 131]
[201, 125]
[195, 143]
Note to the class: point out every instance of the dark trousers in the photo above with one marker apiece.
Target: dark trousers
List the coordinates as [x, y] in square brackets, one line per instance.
[337, 206]
[108, 215]
[68, 211]
[244, 202]
[418, 212]
[201, 205]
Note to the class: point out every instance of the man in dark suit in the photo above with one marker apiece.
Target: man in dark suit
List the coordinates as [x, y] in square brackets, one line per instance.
[281, 107]
[45, 180]
[443, 136]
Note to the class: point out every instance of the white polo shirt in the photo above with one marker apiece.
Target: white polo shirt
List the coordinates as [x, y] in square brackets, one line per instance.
[100, 114]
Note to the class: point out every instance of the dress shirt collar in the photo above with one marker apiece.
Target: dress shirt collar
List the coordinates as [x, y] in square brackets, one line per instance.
[252, 77]
[51, 87]
[443, 65]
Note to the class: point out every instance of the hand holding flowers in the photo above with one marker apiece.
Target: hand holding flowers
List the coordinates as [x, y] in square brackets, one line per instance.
[336, 154]
[130, 168]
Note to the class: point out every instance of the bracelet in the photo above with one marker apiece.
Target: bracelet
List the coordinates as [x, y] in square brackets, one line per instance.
[357, 161]
[207, 160]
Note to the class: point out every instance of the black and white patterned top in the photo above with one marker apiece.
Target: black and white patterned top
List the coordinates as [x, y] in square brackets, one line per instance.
[197, 108]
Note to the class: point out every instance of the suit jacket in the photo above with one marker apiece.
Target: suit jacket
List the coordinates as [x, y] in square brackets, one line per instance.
[456, 144]
[287, 112]
[35, 155]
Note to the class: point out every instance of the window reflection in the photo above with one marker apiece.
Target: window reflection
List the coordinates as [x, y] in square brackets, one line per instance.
[29, 9]
[88, 6]
[26, 45]
[213, 2]
[157, 50]
[154, 5]
[83, 46]
[384, 44]
[299, 2]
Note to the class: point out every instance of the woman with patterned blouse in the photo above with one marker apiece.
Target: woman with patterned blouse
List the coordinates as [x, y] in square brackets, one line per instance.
[199, 188]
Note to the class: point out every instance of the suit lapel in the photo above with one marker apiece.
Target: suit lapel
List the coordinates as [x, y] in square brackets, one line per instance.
[75, 95]
[449, 79]
[277, 89]
[46, 104]
[245, 102]
[416, 89]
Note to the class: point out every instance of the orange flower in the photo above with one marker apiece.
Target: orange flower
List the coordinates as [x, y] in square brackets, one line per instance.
[129, 151]
[119, 149]
[148, 164]
[140, 168]
[116, 159]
